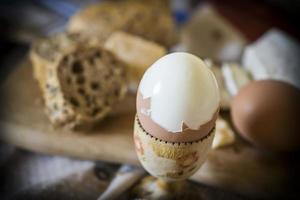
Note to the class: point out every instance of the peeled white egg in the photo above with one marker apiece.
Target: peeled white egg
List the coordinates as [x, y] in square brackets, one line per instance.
[182, 93]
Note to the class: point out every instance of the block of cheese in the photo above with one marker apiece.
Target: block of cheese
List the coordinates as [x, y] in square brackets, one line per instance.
[134, 51]
[274, 56]
[224, 135]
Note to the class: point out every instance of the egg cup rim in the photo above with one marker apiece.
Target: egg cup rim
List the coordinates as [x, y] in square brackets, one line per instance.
[173, 143]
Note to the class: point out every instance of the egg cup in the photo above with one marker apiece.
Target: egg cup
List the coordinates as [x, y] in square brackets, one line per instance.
[170, 162]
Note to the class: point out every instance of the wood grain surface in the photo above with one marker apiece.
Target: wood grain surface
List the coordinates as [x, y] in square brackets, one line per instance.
[239, 168]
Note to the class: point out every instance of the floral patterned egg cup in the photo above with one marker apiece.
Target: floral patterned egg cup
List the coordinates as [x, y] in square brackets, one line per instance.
[170, 162]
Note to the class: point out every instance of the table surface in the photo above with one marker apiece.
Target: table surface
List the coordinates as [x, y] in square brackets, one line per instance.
[238, 168]
[271, 175]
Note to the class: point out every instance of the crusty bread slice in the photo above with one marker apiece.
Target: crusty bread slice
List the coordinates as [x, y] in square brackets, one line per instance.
[92, 81]
[59, 112]
[46, 53]
[52, 57]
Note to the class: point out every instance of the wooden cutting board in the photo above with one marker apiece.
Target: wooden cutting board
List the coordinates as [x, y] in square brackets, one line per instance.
[238, 168]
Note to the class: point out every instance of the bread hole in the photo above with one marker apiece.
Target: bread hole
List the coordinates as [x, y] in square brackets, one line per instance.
[95, 111]
[95, 86]
[80, 80]
[65, 60]
[74, 102]
[81, 91]
[77, 67]
[97, 54]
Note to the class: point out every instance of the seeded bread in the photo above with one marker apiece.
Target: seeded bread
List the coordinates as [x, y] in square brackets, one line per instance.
[53, 56]
[92, 81]
[146, 20]
[60, 113]
[46, 53]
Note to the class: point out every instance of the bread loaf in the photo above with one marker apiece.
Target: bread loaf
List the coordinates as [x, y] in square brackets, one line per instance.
[144, 19]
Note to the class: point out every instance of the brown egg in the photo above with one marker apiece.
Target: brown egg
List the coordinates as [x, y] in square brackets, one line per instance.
[266, 113]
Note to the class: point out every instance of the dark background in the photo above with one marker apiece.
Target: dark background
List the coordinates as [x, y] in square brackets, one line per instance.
[23, 21]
